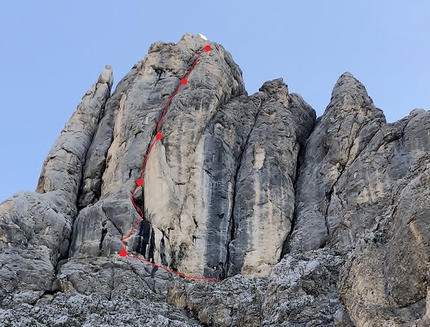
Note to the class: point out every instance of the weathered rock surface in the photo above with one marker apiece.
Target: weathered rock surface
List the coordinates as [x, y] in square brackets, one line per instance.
[307, 222]
[35, 228]
[97, 292]
[394, 255]
[301, 290]
[220, 147]
[264, 192]
[368, 195]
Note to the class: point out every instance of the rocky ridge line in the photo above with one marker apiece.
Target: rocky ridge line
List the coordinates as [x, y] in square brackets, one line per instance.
[317, 222]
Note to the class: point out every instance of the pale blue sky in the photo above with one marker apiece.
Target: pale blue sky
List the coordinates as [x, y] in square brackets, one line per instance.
[52, 51]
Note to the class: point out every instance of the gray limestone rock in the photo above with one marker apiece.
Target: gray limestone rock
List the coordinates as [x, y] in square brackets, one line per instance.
[96, 291]
[35, 228]
[211, 132]
[172, 188]
[340, 136]
[237, 301]
[264, 190]
[394, 256]
[302, 290]
[305, 221]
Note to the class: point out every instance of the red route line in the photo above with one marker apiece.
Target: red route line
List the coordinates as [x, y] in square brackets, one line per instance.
[140, 181]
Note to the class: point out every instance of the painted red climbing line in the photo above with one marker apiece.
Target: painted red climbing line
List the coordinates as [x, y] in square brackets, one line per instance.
[140, 180]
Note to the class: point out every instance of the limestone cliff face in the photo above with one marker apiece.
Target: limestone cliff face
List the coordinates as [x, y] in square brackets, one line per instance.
[316, 222]
[214, 188]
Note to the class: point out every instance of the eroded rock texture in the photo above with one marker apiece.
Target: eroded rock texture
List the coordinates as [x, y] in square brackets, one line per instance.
[307, 222]
[362, 190]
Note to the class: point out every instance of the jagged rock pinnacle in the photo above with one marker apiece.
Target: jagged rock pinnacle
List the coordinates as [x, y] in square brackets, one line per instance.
[307, 221]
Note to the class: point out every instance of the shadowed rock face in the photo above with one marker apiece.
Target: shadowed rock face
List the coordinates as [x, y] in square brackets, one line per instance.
[307, 222]
[331, 160]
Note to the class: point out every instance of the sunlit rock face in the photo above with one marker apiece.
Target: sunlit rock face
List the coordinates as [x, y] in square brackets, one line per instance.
[316, 222]
[218, 192]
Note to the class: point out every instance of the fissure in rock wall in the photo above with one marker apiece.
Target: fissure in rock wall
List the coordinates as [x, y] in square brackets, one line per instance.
[316, 222]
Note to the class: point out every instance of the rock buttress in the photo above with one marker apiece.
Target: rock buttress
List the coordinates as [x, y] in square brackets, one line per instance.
[195, 208]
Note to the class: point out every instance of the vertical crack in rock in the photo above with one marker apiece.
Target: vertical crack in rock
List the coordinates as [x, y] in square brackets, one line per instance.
[352, 156]
[234, 264]
[264, 201]
[225, 139]
[97, 154]
[236, 183]
[285, 247]
[177, 186]
[62, 169]
[35, 227]
[146, 242]
[104, 232]
[348, 125]
[229, 267]
[112, 221]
